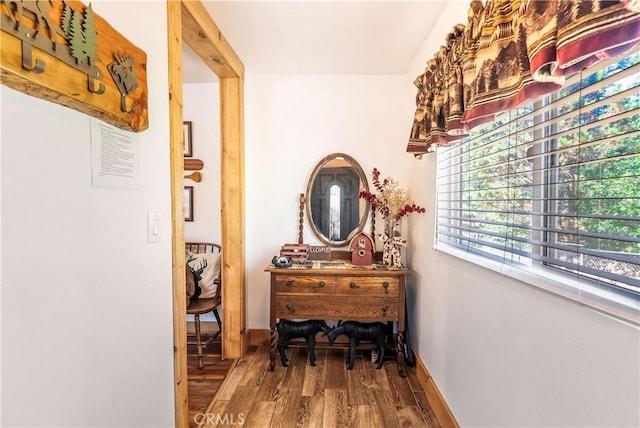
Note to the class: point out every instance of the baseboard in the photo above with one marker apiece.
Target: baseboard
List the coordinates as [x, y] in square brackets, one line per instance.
[258, 337]
[434, 397]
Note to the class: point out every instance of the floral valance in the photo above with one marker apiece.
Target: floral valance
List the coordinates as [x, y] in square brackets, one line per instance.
[510, 51]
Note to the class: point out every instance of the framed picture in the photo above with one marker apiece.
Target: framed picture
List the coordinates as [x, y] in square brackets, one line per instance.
[187, 143]
[188, 203]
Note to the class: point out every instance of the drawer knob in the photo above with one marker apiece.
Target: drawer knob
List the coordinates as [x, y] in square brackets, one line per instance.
[385, 285]
[321, 284]
[384, 310]
[290, 283]
[353, 285]
[290, 307]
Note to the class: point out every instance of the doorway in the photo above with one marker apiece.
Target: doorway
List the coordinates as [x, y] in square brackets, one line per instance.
[189, 22]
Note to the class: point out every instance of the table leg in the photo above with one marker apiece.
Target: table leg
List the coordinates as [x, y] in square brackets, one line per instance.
[400, 352]
[272, 349]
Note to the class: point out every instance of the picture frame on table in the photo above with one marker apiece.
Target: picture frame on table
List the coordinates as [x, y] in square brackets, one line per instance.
[188, 203]
[187, 142]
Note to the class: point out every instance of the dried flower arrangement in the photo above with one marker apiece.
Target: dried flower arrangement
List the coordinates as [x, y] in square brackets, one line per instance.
[391, 201]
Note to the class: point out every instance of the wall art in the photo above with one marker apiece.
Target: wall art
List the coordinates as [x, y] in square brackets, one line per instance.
[64, 52]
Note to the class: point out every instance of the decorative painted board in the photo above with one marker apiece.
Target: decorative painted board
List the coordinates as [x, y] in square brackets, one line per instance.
[63, 52]
[319, 252]
[296, 252]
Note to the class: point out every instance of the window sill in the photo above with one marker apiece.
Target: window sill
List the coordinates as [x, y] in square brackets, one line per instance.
[603, 299]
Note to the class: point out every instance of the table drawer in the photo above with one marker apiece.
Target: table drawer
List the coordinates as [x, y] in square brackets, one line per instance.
[336, 308]
[292, 284]
[368, 286]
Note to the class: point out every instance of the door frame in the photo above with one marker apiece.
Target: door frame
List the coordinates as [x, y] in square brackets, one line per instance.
[189, 22]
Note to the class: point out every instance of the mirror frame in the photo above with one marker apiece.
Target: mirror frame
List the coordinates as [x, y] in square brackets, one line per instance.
[364, 186]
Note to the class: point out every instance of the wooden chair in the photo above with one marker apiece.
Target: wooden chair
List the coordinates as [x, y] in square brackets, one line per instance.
[200, 306]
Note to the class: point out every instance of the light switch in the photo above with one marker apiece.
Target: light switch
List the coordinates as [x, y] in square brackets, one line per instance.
[153, 227]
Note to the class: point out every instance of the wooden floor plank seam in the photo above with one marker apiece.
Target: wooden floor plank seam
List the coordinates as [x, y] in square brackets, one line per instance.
[326, 395]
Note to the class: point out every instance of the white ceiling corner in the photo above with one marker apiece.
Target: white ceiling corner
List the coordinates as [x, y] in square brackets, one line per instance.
[319, 37]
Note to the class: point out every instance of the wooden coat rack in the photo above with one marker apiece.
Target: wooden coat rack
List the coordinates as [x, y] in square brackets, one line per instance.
[63, 52]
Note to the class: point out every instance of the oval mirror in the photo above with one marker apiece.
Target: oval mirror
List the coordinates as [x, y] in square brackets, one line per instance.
[335, 211]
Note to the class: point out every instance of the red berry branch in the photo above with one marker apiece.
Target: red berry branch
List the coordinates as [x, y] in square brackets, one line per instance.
[390, 199]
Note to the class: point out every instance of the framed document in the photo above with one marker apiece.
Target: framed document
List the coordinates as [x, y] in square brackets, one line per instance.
[187, 143]
[188, 203]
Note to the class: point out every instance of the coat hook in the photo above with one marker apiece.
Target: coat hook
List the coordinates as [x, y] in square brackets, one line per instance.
[27, 60]
[90, 84]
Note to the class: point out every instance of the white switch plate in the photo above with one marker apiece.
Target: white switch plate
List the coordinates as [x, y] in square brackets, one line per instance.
[153, 228]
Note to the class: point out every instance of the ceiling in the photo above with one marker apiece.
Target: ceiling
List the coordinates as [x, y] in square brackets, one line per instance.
[319, 37]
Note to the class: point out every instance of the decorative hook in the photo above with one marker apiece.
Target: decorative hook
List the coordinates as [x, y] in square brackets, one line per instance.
[123, 105]
[27, 60]
[91, 86]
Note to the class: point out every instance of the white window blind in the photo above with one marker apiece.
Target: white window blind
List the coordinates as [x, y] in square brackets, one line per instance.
[552, 188]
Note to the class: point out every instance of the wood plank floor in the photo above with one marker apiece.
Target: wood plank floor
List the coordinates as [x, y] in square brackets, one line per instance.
[327, 395]
[203, 384]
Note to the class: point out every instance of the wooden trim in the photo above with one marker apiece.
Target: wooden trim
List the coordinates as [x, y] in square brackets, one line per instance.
[434, 397]
[232, 203]
[174, 30]
[259, 337]
[205, 38]
[188, 21]
[63, 80]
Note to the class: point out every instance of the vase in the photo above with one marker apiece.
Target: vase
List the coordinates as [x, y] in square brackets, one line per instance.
[392, 242]
[392, 227]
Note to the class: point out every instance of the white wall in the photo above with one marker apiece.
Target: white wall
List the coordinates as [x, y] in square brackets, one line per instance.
[86, 313]
[291, 123]
[202, 108]
[504, 353]
[86, 302]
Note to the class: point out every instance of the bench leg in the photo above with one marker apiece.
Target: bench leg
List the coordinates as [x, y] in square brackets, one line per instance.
[196, 319]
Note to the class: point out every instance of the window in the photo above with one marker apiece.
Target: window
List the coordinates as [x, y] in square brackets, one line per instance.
[550, 192]
[334, 213]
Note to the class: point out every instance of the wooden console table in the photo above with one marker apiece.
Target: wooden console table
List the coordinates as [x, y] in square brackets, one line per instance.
[338, 293]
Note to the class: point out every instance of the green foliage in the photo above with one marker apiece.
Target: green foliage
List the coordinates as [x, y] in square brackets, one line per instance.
[76, 43]
[90, 35]
[65, 24]
[596, 181]
[602, 163]
[81, 32]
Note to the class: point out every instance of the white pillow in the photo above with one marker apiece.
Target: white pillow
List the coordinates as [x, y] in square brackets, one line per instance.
[210, 273]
